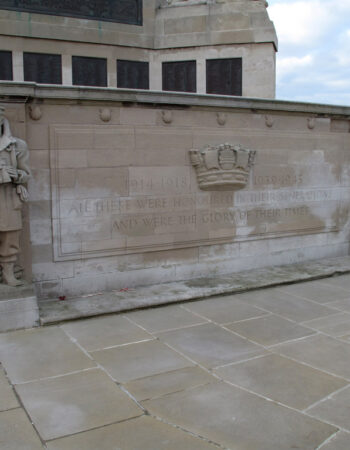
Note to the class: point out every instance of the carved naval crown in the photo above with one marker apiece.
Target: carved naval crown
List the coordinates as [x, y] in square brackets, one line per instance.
[224, 167]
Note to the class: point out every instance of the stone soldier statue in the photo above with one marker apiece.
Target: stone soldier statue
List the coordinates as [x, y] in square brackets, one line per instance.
[14, 172]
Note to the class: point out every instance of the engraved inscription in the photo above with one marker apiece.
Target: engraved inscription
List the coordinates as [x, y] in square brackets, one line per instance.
[236, 217]
[124, 208]
[122, 11]
[290, 195]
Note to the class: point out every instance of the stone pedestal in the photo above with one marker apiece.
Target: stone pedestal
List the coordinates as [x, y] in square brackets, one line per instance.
[18, 307]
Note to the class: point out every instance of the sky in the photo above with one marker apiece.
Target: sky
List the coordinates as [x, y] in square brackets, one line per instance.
[313, 61]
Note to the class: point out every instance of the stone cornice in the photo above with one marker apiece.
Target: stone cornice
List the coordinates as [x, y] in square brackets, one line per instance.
[27, 92]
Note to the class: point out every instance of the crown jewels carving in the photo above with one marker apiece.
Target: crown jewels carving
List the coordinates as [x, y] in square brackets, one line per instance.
[224, 167]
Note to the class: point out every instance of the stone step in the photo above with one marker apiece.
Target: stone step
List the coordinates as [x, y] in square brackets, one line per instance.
[55, 311]
[18, 307]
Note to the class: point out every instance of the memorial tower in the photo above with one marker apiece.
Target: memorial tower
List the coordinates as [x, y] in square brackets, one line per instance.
[206, 46]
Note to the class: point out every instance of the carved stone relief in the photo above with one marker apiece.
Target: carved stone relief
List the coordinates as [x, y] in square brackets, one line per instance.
[225, 167]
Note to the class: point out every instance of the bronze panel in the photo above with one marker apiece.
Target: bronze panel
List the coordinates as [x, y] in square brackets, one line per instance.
[132, 74]
[224, 76]
[6, 65]
[179, 76]
[42, 68]
[89, 71]
[121, 11]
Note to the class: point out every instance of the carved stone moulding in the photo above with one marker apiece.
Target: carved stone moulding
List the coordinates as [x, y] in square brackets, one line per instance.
[224, 167]
[167, 116]
[35, 112]
[221, 119]
[311, 122]
[105, 114]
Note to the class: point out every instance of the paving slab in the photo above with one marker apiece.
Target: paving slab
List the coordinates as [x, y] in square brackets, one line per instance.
[322, 352]
[74, 403]
[162, 319]
[211, 345]
[239, 420]
[225, 309]
[270, 330]
[8, 399]
[167, 383]
[227, 377]
[96, 334]
[288, 305]
[341, 281]
[17, 433]
[340, 441]
[143, 433]
[342, 305]
[146, 296]
[40, 353]
[283, 380]
[319, 291]
[335, 325]
[346, 338]
[335, 409]
[139, 360]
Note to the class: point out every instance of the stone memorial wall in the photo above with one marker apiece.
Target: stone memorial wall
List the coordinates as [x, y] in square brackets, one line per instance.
[116, 202]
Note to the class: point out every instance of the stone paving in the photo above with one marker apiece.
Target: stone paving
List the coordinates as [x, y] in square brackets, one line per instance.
[267, 369]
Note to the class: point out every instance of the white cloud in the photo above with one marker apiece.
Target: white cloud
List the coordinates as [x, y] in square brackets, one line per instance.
[301, 22]
[342, 53]
[313, 62]
[292, 64]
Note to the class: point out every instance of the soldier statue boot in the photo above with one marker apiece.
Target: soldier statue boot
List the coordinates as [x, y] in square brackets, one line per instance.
[8, 275]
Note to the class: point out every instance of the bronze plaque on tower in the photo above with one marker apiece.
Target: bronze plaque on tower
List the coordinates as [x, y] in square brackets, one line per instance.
[121, 11]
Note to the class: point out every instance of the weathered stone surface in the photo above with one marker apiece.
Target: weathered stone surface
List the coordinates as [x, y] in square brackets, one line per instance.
[336, 325]
[339, 442]
[287, 305]
[18, 307]
[155, 320]
[139, 360]
[342, 282]
[96, 334]
[322, 352]
[270, 330]
[166, 383]
[16, 432]
[342, 305]
[125, 187]
[224, 310]
[210, 345]
[282, 380]
[318, 291]
[32, 354]
[8, 398]
[159, 294]
[255, 405]
[335, 409]
[145, 432]
[73, 403]
[235, 418]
